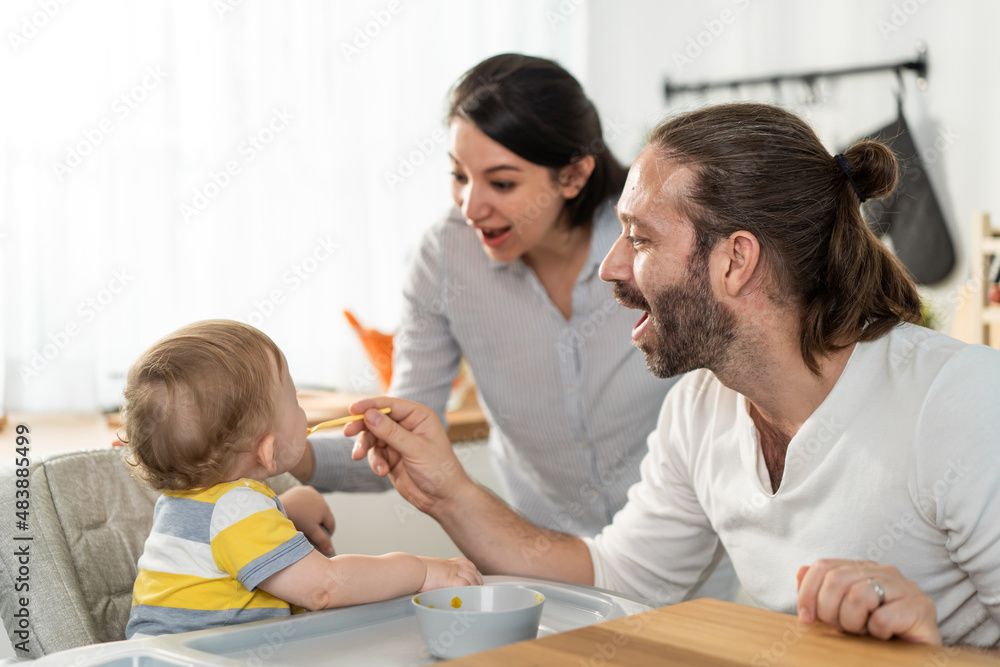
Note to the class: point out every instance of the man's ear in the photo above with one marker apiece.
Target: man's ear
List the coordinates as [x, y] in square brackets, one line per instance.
[575, 175]
[264, 453]
[738, 265]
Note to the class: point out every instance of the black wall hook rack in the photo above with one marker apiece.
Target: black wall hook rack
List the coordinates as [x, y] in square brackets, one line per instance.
[919, 66]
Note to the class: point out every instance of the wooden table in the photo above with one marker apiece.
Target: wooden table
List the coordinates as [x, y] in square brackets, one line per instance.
[711, 633]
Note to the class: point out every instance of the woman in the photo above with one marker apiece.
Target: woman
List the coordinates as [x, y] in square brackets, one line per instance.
[510, 282]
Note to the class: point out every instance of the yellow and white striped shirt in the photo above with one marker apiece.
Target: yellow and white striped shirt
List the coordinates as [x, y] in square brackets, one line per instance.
[208, 551]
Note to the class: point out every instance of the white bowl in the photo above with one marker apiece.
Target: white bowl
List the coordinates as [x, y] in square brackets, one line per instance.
[459, 621]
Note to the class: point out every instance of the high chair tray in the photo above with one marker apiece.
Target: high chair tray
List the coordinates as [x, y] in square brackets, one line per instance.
[381, 633]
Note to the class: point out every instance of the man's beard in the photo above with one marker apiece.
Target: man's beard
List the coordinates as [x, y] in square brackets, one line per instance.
[689, 328]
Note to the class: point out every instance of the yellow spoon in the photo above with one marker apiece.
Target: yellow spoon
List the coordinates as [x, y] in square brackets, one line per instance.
[341, 421]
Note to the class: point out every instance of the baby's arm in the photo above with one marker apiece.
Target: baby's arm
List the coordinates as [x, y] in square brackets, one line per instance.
[317, 582]
[307, 509]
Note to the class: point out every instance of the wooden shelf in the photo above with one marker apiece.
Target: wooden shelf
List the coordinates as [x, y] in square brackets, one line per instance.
[991, 315]
[466, 423]
[985, 315]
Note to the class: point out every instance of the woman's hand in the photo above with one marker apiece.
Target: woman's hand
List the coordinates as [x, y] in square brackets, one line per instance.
[411, 447]
[843, 594]
[443, 573]
[307, 509]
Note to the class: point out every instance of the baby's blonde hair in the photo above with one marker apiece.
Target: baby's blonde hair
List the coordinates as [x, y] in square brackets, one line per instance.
[196, 399]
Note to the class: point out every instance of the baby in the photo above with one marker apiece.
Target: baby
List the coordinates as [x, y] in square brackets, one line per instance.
[211, 412]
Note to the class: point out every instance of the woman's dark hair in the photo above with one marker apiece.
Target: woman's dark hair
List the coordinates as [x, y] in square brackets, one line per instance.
[537, 110]
[762, 169]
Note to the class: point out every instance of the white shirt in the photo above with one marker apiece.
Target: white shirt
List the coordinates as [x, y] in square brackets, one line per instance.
[900, 465]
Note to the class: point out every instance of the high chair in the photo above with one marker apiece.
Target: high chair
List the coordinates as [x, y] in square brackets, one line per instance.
[87, 523]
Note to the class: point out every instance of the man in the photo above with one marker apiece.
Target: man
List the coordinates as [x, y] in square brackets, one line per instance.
[817, 424]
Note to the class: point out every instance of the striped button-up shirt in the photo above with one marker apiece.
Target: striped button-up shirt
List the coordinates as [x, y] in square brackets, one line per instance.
[569, 402]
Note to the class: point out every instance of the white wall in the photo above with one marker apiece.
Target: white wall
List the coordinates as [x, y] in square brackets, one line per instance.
[635, 46]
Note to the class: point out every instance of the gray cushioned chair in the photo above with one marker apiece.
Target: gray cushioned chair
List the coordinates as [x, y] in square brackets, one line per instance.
[89, 520]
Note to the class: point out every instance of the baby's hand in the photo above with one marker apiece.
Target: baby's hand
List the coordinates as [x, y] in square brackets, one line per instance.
[307, 509]
[443, 573]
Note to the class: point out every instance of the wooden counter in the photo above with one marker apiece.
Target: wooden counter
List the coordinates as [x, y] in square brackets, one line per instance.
[711, 633]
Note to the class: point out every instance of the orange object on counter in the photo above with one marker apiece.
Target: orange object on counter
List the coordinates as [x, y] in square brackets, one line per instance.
[378, 346]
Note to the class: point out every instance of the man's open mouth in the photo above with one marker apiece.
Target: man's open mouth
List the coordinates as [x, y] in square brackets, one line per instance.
[640, 326]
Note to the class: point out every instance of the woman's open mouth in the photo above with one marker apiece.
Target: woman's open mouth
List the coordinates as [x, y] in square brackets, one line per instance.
[640, 326]
[494, 238]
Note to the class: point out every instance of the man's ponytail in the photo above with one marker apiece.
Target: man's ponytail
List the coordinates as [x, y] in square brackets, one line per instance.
[867, 288]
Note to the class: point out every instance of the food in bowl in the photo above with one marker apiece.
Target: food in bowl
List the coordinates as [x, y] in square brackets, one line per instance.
[458, 621]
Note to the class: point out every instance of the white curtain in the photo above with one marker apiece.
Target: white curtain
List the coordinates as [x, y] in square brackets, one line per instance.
[271, 162]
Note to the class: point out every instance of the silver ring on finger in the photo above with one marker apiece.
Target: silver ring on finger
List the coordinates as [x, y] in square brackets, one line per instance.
[878, 591]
